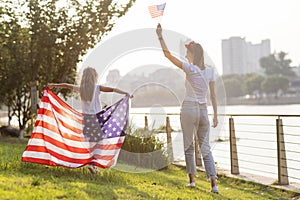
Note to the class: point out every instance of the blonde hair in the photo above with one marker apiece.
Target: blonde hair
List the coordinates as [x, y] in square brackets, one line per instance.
[198, 53]
[87, 85]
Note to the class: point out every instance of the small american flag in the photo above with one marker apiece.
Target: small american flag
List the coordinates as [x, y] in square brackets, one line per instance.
[65, 137]
[157, 10]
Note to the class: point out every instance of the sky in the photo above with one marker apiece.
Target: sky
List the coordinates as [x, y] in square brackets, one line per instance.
[209, 22]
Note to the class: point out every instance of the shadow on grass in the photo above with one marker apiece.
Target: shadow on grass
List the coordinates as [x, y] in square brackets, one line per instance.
[105, 185]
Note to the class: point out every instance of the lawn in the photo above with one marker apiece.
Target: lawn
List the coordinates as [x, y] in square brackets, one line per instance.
[20, 180]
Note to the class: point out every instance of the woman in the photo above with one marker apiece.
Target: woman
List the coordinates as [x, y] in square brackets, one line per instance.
[193, 116]
[90, 101]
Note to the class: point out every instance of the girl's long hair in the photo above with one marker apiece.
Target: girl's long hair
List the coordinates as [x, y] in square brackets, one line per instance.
[198, 53]
[87, 85]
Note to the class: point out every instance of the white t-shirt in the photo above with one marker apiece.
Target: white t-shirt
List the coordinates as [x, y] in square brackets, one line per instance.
[94, 106]
[197, 82]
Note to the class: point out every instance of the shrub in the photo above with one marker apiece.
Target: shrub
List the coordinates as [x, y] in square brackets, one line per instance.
[141, 148]
[9, 131]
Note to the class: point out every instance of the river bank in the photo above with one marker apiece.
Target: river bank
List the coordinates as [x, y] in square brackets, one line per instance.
[264, 101]
[234, 101]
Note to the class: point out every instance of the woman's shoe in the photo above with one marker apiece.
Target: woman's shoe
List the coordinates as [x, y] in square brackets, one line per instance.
[192, 184]
[215, 189]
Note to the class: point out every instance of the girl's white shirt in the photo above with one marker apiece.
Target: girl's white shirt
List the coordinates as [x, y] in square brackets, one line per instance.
[94, 106]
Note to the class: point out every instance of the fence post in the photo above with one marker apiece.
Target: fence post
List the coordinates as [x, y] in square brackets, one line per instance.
[169, 140]
[146, 123]
[283, 178]
[198, 152]
[233, 149]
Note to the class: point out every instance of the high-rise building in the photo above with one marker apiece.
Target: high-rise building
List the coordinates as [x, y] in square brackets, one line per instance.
[243, 57]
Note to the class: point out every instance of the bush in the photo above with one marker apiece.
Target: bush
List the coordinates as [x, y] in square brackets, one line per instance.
[142, 149]
[9, 131]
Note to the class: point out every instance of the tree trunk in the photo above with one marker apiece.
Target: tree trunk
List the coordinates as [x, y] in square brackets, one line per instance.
[21, 136]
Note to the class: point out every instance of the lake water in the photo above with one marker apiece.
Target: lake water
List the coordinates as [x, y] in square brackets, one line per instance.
[256, 136]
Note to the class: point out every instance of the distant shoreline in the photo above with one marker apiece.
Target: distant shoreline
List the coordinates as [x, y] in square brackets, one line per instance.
[264, 101]
[229, 101]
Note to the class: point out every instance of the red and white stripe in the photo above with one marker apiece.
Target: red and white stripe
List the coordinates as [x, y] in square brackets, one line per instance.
[154, 12]
[57, 138]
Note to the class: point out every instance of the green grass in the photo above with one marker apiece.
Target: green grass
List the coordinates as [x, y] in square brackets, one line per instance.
[20, 180]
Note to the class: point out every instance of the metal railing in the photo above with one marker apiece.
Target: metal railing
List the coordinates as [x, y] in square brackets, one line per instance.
[260, 144]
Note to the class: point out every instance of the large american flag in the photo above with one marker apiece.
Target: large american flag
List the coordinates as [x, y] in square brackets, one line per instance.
[157, 10]
[59, 139]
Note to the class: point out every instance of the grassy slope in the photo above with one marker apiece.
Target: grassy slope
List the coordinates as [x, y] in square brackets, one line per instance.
[20, 180]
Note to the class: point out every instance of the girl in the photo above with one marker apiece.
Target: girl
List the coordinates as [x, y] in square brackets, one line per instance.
[90, 102]
[193, 116]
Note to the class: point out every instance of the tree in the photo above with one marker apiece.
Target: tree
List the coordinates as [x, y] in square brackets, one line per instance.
[45, 44]
[220, 90]
[252, 83]
[232, 88]
[232, 84]
[272, 84]
[14, 59]
[277, 64]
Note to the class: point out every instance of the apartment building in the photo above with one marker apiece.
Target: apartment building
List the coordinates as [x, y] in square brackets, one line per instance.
[242, 57]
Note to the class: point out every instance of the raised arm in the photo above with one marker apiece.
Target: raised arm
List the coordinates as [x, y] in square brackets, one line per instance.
[64, 85]
[110, 89]
[164, 47]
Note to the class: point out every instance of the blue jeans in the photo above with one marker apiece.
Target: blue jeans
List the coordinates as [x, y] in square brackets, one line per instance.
[194, 119]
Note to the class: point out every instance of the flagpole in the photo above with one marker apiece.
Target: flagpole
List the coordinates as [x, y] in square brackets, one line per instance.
[160, 19]
[163, 13]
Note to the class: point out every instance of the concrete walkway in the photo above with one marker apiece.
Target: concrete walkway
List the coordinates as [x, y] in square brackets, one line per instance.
[253, 178]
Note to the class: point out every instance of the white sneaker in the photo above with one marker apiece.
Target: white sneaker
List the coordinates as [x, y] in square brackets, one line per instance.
[93, 169]
[192, 184]
[215, 189]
